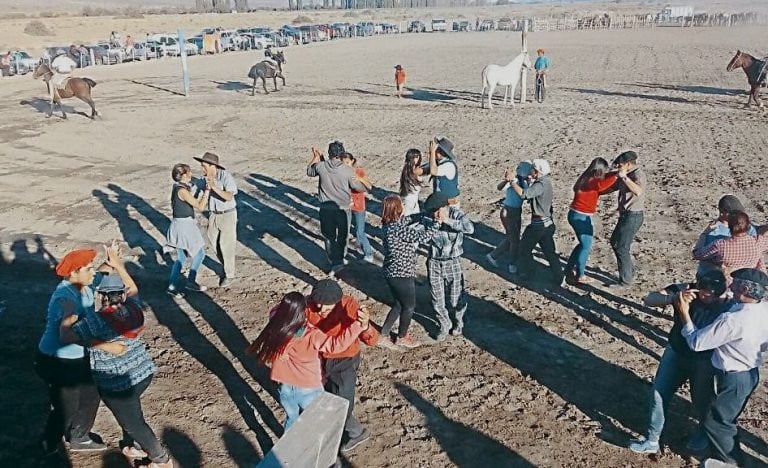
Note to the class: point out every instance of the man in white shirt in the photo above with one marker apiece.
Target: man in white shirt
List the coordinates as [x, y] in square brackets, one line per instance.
[738, 338]
[61, 67]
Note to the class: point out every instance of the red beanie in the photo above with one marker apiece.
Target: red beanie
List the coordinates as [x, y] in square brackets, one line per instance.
[73, 261]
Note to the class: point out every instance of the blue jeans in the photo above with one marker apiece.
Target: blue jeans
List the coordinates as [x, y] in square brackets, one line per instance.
[181, 258]
[582, 226]
[359, 221]
[674, 369]
[295, 400]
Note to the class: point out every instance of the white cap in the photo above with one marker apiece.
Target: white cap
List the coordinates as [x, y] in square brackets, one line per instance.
[542, 166]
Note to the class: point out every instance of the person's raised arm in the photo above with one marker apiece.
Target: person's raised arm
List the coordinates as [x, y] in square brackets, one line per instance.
[197, 203]
[115, 260]
[432, 158]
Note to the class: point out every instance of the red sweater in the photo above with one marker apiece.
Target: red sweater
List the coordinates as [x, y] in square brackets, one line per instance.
[299, 363]
[340, 318]
[585, 200]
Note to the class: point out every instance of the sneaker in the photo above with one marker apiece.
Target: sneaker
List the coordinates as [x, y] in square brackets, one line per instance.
[225, 282]
[492, 260]
[644, 445]
[512, 269]
[714, 463]
[194, 286]
[386, 342]
[456, 331]
[355, 441]
[89, 445]
[408, 342]
[368, 258]
[134, 453]
[172, 291]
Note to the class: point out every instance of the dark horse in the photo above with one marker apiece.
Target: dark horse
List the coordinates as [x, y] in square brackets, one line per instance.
[266, 69]
[755, 71]
[74, 87]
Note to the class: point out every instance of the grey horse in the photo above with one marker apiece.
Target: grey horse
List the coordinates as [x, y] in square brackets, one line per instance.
[266, 69]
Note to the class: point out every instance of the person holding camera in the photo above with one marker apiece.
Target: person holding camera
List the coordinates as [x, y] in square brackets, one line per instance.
[335, 185]
[679, 363]
[222, 219]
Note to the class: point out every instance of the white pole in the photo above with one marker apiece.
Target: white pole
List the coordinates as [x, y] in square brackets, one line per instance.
[523, 70]
[183, 54]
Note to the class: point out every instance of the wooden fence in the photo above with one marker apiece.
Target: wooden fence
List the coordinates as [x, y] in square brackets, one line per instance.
[644, 21]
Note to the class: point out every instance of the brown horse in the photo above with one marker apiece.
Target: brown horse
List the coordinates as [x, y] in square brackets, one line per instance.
[266, 69]
[755, 71]
[74, 87]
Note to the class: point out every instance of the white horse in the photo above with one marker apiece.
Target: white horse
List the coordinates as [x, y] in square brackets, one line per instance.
[494, 75]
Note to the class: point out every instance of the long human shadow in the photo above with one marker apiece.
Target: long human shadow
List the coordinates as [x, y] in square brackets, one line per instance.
[464, 445]
[182, 328]
[709, 90]
[240, 450]
[182, 448]
[26, 284]
[651, 97]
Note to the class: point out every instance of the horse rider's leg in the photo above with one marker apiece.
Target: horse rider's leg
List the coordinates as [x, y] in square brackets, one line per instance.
[61, 108]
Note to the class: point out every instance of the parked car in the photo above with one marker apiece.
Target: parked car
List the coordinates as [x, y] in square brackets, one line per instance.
[439, 25]
[198, 42]
[462, 26]
[341, 30]
[487, 25]
[173, 50]
[100, 55]
[417, 27]
[279, 40]
[22, 63]
[309, 34]
[114, 54]
[290, 32]
[137, 52]
[231, 40]
[505, 24]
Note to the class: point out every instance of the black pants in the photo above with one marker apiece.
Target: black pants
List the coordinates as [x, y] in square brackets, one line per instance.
[126, 407]
[341, 375]
[404, 292]
[733, 390]
[73, 397]
[334, 225]
[621, 242]
[545, 237]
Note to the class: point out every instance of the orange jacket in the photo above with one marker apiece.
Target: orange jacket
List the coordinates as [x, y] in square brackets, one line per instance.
[343, 316]
[400, 76]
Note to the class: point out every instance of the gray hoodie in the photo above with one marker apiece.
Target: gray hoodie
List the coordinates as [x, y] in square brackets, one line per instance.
[337, 180]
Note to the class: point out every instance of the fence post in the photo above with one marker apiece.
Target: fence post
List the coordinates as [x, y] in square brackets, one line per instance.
[523, 70]
[183, 53]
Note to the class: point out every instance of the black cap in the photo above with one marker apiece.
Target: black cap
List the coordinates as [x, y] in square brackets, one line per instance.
[751, 274]
[326, 292]
[713, 281]
[435, 201]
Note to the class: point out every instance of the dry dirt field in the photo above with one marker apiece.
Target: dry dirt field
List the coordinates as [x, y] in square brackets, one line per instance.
[551, 378]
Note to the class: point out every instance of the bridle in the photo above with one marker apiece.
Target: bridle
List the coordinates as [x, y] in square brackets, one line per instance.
[736, 62]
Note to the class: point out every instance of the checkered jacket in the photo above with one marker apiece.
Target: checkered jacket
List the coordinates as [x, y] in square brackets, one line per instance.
[736, 252]
[448, 242]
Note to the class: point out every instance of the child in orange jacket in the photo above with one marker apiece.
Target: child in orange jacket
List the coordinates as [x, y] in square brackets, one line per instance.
[399, 80]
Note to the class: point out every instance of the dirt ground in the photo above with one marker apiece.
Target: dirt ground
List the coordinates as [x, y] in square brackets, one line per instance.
[542, 377]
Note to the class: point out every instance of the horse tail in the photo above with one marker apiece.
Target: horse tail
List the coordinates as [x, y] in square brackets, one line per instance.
[90, 82]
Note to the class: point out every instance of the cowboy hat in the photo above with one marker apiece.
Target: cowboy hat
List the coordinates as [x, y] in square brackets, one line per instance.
[398, 67]
[210, 158]
[445, 146]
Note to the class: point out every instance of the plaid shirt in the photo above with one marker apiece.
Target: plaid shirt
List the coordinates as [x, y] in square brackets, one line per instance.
[736, 252]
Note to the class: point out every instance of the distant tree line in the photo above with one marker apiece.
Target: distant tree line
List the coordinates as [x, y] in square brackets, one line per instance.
[225, 6]
[220, 6]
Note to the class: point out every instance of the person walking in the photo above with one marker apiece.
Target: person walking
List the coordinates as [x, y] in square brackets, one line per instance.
[410, 182]
[542, 229]
[444, 264]
[222, 209]
[586, 194]
[679, 363]
[399, 80]
[333, 312]
[64, 367]
[120, 378]
[718, 229]
[335, 185]
[630, 186]
[443, 169]
[291, 347]
[511, 216]
[358, 207]
[401, 238]
[738, 251]
[739, 338]
[184, 235]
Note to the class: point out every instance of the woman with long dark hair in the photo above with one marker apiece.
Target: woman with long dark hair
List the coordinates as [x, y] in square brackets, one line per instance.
[400, 242]
[586, 193]
[184, 235]
[410, 181]
[291, 346]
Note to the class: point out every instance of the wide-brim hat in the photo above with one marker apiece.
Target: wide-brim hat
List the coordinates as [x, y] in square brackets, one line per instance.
[210, 158]
[446, 146]
[398, 67]
[111, 283]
